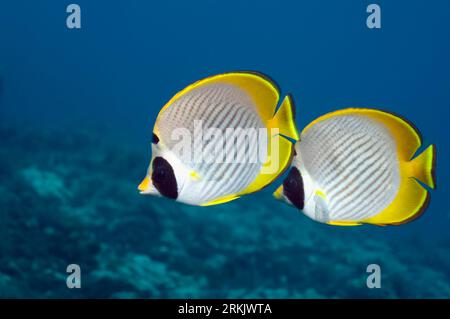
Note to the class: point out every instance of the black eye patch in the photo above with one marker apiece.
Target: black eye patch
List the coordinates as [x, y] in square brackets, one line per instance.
[293, 188]
[155, 139]
[163, 178]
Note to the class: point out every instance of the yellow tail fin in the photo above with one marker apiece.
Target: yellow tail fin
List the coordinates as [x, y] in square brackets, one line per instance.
[422, 167]
[412, 198]
[284, 119]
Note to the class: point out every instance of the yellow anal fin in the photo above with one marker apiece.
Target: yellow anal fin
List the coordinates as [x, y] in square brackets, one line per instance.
[409, 204]
[423, 166]
[221, 200]
[405, 134]
[284, 119]
[343, 223]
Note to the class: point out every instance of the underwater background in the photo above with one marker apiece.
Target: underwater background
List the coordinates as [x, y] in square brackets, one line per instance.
[77, 108]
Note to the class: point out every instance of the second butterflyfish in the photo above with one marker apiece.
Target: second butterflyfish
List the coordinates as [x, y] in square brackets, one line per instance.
[357, 166]
[241, 101]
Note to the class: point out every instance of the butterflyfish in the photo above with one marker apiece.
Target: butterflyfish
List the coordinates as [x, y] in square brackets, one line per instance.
[221, 138]
[357, 166]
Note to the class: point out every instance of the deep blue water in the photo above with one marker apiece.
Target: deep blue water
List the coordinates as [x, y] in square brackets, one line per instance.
[77, 109]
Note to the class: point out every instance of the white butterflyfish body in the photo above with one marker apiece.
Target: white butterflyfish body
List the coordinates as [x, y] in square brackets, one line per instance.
[220, 138]
[356, 166]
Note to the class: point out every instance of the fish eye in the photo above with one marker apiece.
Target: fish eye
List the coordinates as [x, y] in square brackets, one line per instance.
[163, 178]
[155, 139]
[293, 188]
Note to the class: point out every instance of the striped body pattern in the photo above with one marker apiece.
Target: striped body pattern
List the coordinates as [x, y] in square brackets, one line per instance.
[220, 106]
[353, 160]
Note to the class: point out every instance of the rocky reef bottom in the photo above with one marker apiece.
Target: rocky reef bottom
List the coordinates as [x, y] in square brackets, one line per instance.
[71, 199]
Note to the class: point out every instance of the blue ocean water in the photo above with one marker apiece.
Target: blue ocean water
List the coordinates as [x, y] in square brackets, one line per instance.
[77, 107]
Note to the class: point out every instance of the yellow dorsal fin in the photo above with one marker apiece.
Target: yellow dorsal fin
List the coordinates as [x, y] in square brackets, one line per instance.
[406, 135]
[262, 90]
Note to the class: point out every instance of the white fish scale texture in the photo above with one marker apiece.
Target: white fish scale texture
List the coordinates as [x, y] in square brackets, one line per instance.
[218, 106]
[353, 159]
